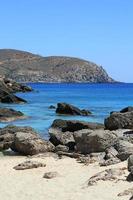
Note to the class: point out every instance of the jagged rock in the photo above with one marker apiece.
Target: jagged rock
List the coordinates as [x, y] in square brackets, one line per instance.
[50, 175]
[61, 148]
[119, 120]
[124, 148]
[130, 176]
[75, 125]
[6, 95]
[67, 109]
[29, 165]
[106, 175]
[64, 138]
[30, 144]
[7, 115]
[90, 141]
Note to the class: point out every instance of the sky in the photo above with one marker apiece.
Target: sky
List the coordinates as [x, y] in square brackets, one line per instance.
[96, 30]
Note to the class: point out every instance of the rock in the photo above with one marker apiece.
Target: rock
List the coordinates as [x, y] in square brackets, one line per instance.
[130, 176]
[52, 107]
[61, 148]
[130, 162]
[90, 141]
[124, 148]
[69, 154]
[75, 125]
[7, 115]
[7, 135]
[30, 143]
[98, 156]
[6, 95]
[111, 152]
[50, 175]
[64, 138]
[10, 98]
[127, 109]
[126, 192]
[29, 165]
[107, 175]
[119, 120]
[14, 87]
[67, 109]
[110, 161]
[23, 140]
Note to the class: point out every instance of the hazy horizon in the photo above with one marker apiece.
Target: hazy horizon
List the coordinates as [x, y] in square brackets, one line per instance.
[97, 31]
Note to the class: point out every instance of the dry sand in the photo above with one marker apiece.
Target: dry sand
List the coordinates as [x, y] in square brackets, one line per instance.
[70, 185]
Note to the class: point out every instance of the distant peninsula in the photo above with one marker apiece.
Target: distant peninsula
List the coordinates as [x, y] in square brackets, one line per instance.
[27, 67]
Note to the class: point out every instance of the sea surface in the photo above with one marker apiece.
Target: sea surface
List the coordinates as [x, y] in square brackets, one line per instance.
[100, 99]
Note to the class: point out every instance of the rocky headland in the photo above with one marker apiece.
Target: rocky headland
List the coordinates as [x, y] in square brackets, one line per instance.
[27, 67]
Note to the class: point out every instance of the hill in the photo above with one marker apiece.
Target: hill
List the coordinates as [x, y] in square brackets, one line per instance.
[27, 67]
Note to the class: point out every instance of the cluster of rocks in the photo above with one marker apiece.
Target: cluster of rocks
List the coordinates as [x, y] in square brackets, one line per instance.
[74, 138]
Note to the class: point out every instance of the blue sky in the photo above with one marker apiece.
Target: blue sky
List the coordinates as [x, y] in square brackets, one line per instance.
[97, 30]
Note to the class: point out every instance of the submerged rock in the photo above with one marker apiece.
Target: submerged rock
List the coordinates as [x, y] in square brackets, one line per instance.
[7, 115]
[67, 109]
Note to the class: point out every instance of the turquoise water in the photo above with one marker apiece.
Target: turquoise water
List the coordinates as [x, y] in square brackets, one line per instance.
[98, 98]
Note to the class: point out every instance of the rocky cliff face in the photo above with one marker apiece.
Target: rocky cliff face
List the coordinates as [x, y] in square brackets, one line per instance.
[26, 67]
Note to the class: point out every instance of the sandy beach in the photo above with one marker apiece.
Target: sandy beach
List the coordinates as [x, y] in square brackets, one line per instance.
[71, 183]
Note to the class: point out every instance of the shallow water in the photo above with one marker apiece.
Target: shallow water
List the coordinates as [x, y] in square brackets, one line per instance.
[101, 99]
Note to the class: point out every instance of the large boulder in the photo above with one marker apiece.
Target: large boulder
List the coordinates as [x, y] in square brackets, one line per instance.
[64, 138]
[68, 109]
[124, 148]
[7, 135]
[75, 125]
[7, 115]
[88, 141]
[119, 120]
[23, 140]
[30, 144]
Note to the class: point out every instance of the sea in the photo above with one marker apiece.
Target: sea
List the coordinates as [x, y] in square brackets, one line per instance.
[100, 99]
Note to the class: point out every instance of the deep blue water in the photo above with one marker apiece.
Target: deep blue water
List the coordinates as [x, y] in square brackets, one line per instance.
[98, 98]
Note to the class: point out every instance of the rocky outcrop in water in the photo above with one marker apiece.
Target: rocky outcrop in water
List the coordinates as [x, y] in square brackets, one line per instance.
[8, 115]
[27, 67]
[68, 109]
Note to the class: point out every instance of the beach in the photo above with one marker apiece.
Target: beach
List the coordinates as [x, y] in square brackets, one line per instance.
[70, 184]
